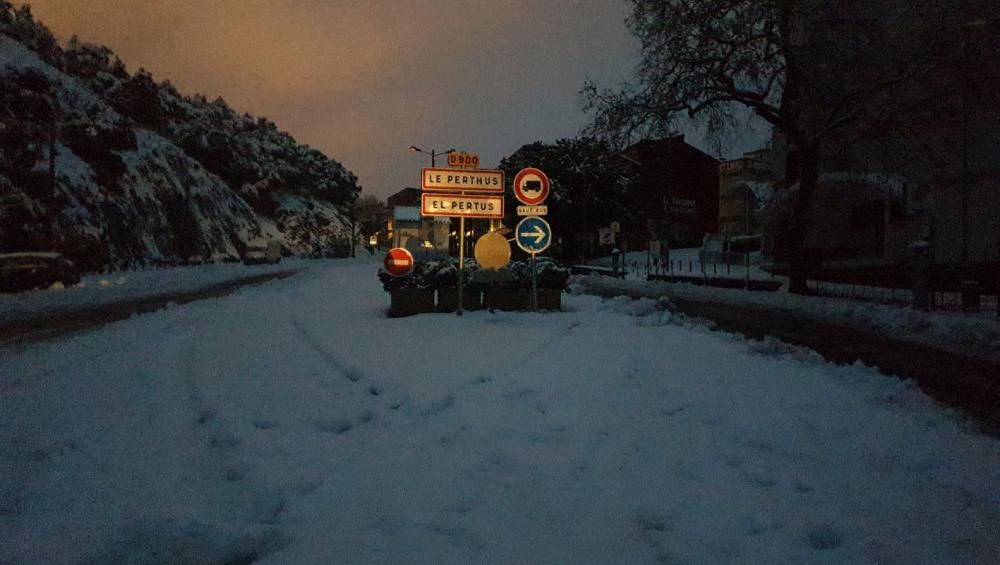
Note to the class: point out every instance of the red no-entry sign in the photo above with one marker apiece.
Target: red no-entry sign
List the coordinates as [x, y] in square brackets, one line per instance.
[398, 262]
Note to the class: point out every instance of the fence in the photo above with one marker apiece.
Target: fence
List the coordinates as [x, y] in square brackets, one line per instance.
[943, 298]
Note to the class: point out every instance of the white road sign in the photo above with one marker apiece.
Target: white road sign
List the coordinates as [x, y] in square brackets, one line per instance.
[455, 180]
[455, 206]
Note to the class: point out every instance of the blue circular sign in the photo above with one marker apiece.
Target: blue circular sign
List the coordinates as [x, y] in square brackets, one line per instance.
[533, 234]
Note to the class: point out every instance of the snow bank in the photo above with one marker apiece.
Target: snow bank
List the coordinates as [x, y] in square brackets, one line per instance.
[974, 336]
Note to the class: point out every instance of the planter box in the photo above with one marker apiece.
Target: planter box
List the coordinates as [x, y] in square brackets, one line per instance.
[447, 299]
[507, 298]
[409, 302]
[549, 299]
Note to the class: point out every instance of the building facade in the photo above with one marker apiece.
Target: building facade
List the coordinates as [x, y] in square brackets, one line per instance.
[746, 186]
[406, 227]
[674, 195]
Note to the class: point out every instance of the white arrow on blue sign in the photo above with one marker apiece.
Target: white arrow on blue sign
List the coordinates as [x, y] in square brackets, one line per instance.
[533, 234]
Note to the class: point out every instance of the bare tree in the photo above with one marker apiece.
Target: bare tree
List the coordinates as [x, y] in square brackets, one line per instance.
[370, 214]
[819, 71]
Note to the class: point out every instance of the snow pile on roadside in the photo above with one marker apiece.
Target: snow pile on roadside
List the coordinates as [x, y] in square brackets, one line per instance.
[976, 337]
[107, 288]
[296, 423]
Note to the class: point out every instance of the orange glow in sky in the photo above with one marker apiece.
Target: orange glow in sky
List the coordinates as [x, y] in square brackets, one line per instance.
[362, 80]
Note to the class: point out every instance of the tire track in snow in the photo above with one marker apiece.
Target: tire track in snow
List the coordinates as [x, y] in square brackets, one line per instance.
[265, 503]
[372, 394]
[352, 374]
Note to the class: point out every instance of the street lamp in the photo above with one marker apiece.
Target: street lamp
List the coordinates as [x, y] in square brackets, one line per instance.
[433, 153]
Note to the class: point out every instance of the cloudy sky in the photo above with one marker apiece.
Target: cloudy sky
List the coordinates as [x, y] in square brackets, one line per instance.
[362, 80]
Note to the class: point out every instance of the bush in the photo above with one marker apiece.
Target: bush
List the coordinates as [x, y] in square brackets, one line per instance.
[444, 274]
[549, 274]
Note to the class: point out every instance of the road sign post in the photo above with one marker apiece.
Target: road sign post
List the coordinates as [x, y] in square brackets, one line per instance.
[398, 262]
[456, 203]
[461, 263]
[531, 186]
[533, 235]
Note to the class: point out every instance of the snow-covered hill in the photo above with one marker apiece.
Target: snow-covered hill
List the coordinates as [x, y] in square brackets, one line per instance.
[140, 172]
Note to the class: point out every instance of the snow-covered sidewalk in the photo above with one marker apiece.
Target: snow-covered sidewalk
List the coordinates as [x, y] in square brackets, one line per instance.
[295, 423]
[971, 336]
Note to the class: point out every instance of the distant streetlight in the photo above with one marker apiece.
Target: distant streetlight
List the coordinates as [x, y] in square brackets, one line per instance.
[433, 153]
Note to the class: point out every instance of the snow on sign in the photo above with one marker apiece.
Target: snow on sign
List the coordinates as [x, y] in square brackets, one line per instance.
[398, 262]
[454, 180]
[531, 186]
[457, 206]
[533, 234]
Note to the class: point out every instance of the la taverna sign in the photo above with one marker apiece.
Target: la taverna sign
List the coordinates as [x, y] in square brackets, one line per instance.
[453, 206]
[477, 180]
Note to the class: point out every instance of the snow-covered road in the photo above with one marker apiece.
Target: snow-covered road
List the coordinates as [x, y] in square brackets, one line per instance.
[295, 423]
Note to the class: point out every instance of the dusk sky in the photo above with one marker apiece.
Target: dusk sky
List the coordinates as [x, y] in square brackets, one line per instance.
[364, 80]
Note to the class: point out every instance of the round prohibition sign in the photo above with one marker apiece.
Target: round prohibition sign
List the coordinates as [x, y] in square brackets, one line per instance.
[398, 262]
[531, 186]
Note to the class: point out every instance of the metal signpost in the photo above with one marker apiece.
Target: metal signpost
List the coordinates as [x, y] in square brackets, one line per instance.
[435, 181]
[533, 236]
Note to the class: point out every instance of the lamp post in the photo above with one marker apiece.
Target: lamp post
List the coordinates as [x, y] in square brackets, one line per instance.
[461, 228]
[433, 153]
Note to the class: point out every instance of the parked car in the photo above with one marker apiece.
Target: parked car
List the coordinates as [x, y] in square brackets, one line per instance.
[262, 250]
[35, 269]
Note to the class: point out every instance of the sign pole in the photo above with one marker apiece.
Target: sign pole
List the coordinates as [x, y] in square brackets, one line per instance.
[534, 285]
[461, 261]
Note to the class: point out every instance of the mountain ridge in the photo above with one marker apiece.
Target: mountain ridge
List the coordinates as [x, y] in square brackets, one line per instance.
[142, 174]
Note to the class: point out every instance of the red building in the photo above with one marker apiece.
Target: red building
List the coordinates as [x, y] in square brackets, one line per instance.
[674, 192]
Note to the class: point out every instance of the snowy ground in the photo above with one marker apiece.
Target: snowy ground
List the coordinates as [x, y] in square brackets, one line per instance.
[294, 423]
[105, 288]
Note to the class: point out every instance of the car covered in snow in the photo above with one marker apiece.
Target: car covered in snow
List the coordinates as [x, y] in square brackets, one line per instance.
[262, 250]
[28, 270]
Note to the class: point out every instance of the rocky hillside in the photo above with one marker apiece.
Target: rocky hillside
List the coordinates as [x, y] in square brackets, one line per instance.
[115, 169]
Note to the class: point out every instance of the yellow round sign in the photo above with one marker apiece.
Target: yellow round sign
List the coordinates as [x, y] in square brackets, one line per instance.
[492, 251]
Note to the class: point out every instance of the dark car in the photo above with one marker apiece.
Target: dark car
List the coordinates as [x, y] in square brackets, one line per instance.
[28, 270]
